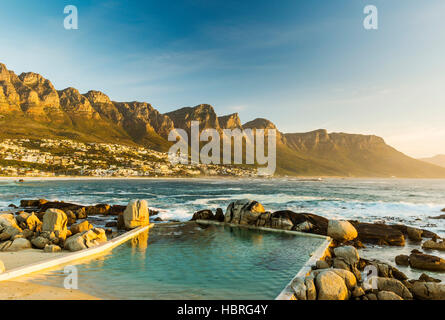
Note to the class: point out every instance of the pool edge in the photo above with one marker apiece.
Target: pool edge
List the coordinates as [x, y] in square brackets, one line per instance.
[72, 257]
[287, 293]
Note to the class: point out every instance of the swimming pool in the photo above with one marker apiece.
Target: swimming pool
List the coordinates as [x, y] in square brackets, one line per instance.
[191, 262]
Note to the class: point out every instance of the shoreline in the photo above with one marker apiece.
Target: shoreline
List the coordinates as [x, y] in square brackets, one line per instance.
[212, 178]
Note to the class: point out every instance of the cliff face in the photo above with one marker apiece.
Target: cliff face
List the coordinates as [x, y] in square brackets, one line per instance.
[203, 113]
[30, 107]
[231, 121]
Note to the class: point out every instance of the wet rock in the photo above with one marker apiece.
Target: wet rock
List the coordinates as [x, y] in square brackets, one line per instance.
[380, 234]
[371, 296]
[331, 286]
[219, 216]
[64, 206]
[426, 262]
[414, 234]
[428, 291]
[281, 222]
[442, 216]
[81, 213]
[426, 278]
[203, 215]
[402, 260]
[32, 203]
[52, 248]
[341, 230]
[136, 214]
[434, 245]
[303, 222]
[118, 210]
[158, 219]
[388, 295]
[243, 212]
[111, 224]
[99, 209]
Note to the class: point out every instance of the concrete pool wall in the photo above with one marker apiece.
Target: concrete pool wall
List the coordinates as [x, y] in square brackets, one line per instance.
[287, 293]
[73, 257]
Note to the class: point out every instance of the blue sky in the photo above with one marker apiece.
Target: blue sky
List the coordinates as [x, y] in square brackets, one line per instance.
[302, 64]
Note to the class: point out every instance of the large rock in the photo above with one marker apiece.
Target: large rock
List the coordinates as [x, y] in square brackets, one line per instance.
[243, 212]
[8, 220]
[433, 245]
[40, 242]
[81, 227]
[203, 215]
[19, 244]
[341, 230]
[299, 288]
[394, 285]
[136, 214]
[380, 234]
[402, 260]
[388, 295]
[303, 222]
[331, 286]
[99, 209]
[311, 291]
[428, 291]
[55, 220]
[426, 262]
[32, 203]
[86, 239]
[9, 233]
[29, 221]
[348, 254]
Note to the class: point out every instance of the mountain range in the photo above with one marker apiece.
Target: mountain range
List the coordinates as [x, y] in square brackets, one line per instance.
[438, 160]
[30, 107]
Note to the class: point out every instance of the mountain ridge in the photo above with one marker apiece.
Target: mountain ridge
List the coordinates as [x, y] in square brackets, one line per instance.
[30, 107]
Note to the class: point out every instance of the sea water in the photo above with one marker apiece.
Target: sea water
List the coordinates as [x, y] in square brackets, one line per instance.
[210, 263]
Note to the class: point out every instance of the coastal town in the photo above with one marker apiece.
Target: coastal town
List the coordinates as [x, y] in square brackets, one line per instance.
[49, 157]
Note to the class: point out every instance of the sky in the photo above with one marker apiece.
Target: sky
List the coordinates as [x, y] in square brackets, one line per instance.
[304, 65]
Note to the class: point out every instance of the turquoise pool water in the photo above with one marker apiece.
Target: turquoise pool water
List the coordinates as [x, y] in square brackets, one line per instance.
[193, 262]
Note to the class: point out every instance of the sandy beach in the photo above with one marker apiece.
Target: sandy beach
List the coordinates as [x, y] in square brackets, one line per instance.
[24, 290]
[16, 290]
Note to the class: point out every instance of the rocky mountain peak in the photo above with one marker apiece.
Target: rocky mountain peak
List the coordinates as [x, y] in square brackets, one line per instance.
[4, 73]
[259, 123]
[231, 121]
[97, 97]
[204, 113]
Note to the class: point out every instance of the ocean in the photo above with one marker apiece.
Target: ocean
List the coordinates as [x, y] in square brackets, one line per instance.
[411, 202]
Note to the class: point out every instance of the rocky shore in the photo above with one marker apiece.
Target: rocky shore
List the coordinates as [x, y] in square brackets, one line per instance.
[57, 226]
[341, 274]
